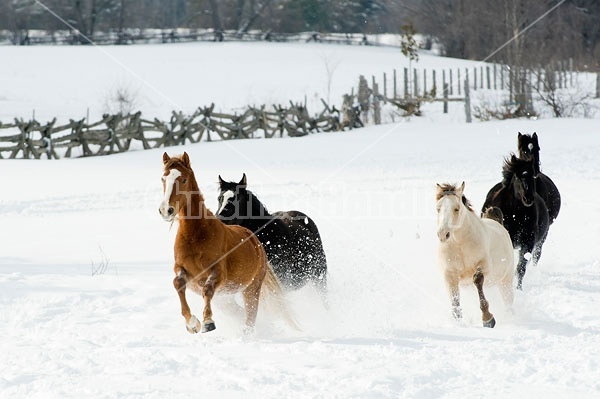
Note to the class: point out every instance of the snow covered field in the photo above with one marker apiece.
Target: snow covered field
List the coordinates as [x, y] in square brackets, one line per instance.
[388, 332]
[67, 82]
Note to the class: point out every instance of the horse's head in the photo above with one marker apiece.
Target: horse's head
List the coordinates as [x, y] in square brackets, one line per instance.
[451, 207]
[520, 175]
[178, 182]
[529, 147]
[233, 200]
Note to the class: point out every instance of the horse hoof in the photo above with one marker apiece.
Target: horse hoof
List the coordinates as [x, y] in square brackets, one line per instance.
[457, 313]
[193, 325]
[490, 323]
[208, 326]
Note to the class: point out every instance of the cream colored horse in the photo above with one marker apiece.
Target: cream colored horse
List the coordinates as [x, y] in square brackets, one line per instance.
[472, 249]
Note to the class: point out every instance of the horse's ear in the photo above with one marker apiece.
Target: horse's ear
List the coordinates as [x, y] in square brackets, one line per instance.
[166, 158]
[439, 188]
[244, 181]
[185, 158]
[221, 181]
[520, 135]
[461, 189]
[535, 137]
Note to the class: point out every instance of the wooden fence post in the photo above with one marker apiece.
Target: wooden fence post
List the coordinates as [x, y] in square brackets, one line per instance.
[487, 71]
[415, 83]
[451, 82]
[376, 106]
[424, 82]
[445, 98]
[598, 85]
[405, 82]
[363, 96]
[458, 80]
[384, 86]
[481, 77]
[474, 78]
[395, 86]
[467, 100]
[434, 89]
[444, 80]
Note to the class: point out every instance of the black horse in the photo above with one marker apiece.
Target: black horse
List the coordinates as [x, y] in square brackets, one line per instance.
[529, 147]
[291, 239]
[525, 212]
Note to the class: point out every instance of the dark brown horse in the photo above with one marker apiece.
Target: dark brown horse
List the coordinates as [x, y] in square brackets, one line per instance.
[211, 257]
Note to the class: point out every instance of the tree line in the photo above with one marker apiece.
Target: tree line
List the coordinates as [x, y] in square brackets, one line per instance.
[471, 29]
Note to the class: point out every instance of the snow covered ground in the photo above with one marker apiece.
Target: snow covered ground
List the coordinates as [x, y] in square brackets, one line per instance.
[388, 331]
[68, 82]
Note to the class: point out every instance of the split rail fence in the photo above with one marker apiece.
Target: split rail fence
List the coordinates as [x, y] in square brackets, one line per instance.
[119, 133]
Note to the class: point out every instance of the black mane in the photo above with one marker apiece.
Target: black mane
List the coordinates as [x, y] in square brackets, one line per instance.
[513, 165]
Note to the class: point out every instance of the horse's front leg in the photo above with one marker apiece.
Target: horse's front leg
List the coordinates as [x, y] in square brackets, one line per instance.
[180, 282]
[452, 283]
[525, 255]
[486, 316]
[208, 291]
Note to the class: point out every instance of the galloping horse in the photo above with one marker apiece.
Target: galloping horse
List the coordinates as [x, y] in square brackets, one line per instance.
[291, 239]
[525, 212]
[528, 146]
[210, 257]
[472, 249]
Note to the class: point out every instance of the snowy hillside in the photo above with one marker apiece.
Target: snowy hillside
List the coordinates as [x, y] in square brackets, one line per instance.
[388, 332]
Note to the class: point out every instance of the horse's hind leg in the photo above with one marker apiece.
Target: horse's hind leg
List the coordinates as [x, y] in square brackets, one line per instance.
[486, 316]
[537, 253]
[320, 283]
[251, 296]
[179, 282]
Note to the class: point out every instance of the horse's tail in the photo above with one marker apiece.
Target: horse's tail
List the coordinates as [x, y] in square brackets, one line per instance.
[272, 291]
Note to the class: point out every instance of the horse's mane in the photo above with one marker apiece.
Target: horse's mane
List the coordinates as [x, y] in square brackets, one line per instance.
[511, 165]
[451, 189]
[256, 202]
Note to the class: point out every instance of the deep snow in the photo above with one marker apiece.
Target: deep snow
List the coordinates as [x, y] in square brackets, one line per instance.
[388, 332]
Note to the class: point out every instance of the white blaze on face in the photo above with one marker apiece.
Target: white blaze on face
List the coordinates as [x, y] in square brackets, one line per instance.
[530, 146]
[169, 184]
[227, 195]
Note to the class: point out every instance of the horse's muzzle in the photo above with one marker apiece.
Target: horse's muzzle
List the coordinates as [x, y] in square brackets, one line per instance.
[443, 235]
[167, 212]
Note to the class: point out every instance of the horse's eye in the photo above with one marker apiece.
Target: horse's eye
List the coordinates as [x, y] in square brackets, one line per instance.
[184, 181]
[455, 209]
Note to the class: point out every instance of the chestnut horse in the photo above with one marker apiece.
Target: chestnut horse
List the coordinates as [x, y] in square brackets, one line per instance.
[211, 257]
[472, 250]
